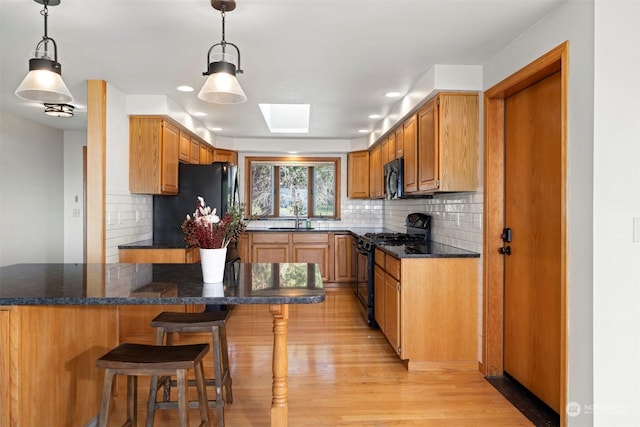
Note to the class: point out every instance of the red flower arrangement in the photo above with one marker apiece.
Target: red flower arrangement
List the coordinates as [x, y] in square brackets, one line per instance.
[208, 231]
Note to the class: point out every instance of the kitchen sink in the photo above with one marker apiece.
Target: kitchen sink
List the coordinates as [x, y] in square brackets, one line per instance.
[290, 228]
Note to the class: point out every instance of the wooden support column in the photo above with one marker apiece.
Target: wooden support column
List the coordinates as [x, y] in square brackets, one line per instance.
[280, 387]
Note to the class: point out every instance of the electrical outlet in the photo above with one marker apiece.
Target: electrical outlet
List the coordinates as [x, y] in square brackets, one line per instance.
[76, 213]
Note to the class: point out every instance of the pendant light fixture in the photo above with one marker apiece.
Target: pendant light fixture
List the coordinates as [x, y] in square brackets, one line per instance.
[222, 86]
[44, 82]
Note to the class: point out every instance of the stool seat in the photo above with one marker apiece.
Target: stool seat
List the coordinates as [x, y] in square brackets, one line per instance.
[143, 356]
[213, 322]
[153, 360]
[181, 322]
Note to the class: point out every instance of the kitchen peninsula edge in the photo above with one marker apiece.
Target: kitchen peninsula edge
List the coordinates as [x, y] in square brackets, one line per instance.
[59, 318]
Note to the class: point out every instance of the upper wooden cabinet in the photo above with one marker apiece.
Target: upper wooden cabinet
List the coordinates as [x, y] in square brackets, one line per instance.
[154, 145]
[185, 147]
[358, 174]
[194, 152]
[391, 147]
[376, 176]
[410, 144]
[220, 155]
[399, 142]
[447, 144]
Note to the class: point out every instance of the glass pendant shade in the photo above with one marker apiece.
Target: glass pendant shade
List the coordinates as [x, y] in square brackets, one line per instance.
[44, 83]
[222, 86]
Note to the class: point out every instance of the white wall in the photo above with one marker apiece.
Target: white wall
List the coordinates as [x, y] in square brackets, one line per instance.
[616, 258]
[73, 201]
[573, 21]
[31, 191]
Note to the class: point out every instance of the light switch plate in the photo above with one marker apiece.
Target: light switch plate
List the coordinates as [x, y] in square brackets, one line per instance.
[636, 230]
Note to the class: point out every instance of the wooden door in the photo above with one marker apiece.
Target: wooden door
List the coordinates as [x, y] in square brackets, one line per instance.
[428, 164]
[533, 211]
[314, 254]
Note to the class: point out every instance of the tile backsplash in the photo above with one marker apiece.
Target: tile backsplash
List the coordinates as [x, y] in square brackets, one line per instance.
[456, 218]
[129, 218]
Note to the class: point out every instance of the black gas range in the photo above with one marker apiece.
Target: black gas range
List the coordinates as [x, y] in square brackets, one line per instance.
[418, 234]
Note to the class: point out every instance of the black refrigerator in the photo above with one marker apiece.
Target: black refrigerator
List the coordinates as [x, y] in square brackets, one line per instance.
[217, 183]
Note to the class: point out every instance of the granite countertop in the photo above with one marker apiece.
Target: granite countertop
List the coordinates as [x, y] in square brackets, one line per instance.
[119, 284]
[430, 250]
[170, 244]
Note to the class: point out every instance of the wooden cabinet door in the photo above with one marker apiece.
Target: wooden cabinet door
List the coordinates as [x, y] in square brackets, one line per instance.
[375, 173]
[399, 142]
[194, 153]
[384, 152]
[270, 253]
[203, 158]
[170, 149]
[316, 254]
[391, 147]
[392, 311]
[428, 145]
[378, 297]
[410, 150]
[185, 147]
[358, 174]
[344, 258]
[229, 156]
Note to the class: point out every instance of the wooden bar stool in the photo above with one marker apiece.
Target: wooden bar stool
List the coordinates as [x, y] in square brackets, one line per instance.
[214, 322]
[142, 359]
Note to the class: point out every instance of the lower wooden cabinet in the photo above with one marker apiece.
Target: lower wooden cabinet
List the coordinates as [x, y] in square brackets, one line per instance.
[48, 363]
[427, 308]
[334, 253]
[270, 247]
[344, 258]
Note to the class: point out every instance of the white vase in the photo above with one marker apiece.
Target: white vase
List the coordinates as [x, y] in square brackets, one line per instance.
[212, 261]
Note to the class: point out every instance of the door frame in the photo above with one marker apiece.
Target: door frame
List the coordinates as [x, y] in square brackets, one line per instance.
[494, 202]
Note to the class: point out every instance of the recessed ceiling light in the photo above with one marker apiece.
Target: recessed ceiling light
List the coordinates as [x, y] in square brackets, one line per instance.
[199, 114]
[392, 94]
[185, 88]
[374, 116]
[215, 129]
[293, 152]
[286, 118]
[363, 130]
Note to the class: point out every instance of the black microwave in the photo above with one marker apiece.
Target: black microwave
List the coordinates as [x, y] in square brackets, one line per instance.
[394, 179]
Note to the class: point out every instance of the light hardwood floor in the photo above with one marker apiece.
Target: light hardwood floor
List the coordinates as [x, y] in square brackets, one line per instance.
[341, 373]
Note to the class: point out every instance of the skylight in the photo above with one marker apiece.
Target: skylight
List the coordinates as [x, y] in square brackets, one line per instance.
[286, 118]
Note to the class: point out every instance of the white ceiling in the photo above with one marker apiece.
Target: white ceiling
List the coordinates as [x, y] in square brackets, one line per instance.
[340, 56]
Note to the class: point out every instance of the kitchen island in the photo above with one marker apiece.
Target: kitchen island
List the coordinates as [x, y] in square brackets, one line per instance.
[57, 319]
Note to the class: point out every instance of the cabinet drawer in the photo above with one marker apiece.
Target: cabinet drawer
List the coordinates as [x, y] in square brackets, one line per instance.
[379, 255]
[392, 266]
[307, 237]
[269, 238]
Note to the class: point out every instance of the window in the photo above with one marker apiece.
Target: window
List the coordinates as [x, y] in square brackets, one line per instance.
[286, 188]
